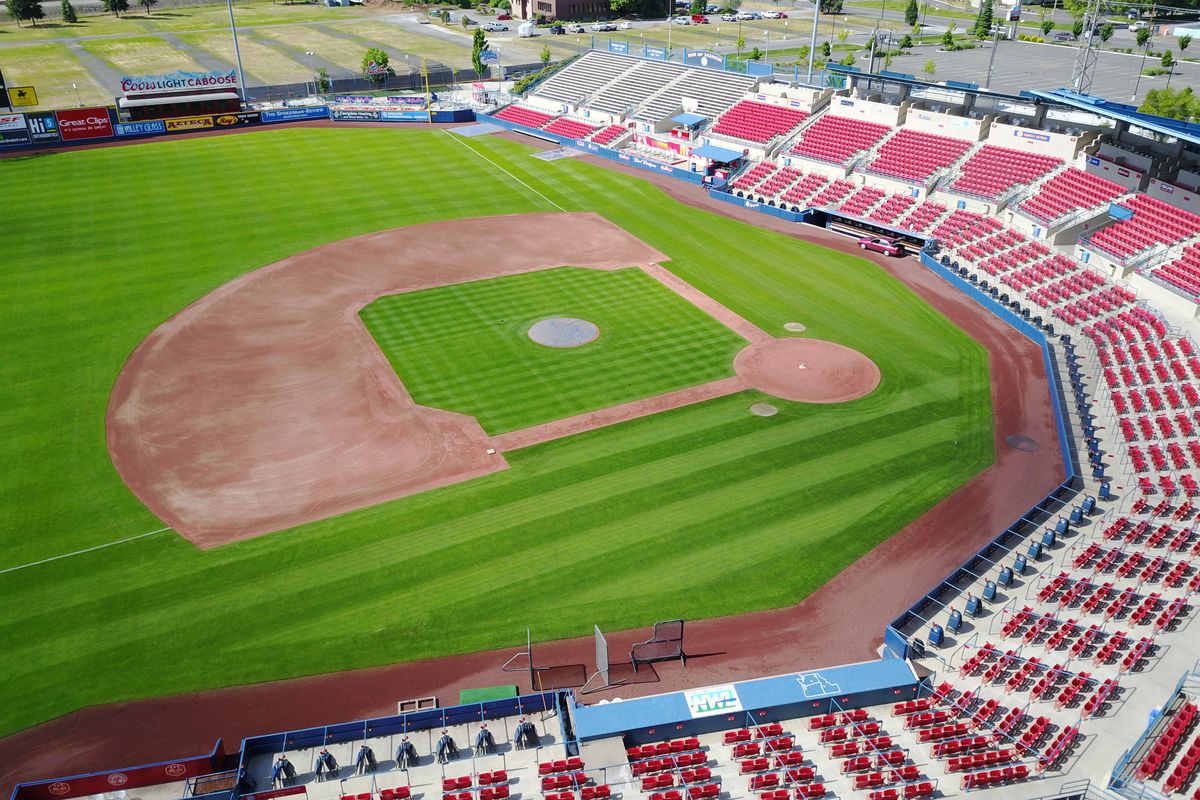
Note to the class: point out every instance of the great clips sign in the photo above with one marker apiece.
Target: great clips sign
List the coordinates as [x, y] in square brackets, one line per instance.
[84, 123]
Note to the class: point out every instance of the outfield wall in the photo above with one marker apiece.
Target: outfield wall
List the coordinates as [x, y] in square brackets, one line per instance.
[83, 127]
[97, 783]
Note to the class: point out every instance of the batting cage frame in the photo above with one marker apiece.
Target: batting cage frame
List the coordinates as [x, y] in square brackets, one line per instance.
[602, 665]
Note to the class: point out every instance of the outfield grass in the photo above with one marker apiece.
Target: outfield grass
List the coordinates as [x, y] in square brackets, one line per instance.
[140, 55]
[465, 348]
[677, 514]
[52, 69]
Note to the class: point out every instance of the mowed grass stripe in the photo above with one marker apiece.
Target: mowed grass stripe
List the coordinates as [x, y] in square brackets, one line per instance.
[552, 542]
[466, 348]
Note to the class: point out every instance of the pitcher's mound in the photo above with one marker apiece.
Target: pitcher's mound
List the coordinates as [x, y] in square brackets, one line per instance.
[563, 332]
[807, 370]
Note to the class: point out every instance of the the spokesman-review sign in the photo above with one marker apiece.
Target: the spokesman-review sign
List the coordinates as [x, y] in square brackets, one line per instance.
[712, 700]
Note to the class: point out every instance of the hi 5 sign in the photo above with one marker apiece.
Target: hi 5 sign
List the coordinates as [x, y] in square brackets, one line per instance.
[712, 701]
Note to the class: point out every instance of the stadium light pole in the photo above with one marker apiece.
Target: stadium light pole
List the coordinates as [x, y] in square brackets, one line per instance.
[812, 45]
[237, 54]
[987, 81]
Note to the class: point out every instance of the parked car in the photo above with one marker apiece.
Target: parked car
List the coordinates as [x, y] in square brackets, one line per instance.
[600, 27]
[699, 19]
[711, 9]
[1140, 25]
[494, 27]
[557, 30]
[423, 20]
[626, 25]
[882, 244]
[774, 15]
[1063, 36]
[576, 28]
[504, 16]
[681, 20]
[1133, 13]
[729, 18]
[744, 15]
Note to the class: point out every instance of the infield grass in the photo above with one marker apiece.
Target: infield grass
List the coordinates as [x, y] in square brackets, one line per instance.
[701, 511]
[465, 348]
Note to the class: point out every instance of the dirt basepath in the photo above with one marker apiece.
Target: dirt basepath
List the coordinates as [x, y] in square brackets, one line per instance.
[841, 622]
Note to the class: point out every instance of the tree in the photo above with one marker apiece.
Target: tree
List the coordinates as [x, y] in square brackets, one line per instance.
[465, 21]
[930, 68]
[698, 6]
[1179, 104]
[906, 42]
[912, 14]
[324, 82]
[741, 42]
[1047, 26]
[115, 7]
[983, 20]
[445, 15]
[843, 35]
[831, 6]
[1168, 60]
[756, 54]
[1183, 42]
[1143, 36]
[375, 64]
[803, 52]
[948, 38]
[826, 49]
[626, 8]
[479, 43]
[545, 55]
[147, 4]
[1106, 32]
[25, 9]
[848, 60]
[1077, 28]
[68, 12]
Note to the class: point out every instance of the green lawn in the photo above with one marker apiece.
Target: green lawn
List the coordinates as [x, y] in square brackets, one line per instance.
[677, 514]
[465, 348]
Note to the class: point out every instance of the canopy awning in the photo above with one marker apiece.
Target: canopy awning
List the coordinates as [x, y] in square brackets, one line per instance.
[714, 153]
[163, 99]
[691, 120]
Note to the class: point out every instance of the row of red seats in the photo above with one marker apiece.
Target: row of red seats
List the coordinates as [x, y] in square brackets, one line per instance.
[571, 128]
[980, 760]
[572, 764]
[606, 135]
[911, 791]
[523, 115]
[758, 122]
[922, 218]
[858, 203]
[1168, 741]
[1185, 770]
[466, 781]
[680, 761]
[805, 188]
[993, 170]
[995, 777]
[915, 155]
[1070, 190]
[833, 720]
[568, 780]
[662, 748]
[891, 209]
[835, 139]
[398, 793]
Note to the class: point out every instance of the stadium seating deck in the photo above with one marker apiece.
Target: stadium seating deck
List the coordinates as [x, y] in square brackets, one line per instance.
[836, 139]
[1183, 273]
[1153, 223]
[994, 170]
[523, 115]
[579, 80]
[916, 156]
[757, 122]
[714, 92]
[1070, 191]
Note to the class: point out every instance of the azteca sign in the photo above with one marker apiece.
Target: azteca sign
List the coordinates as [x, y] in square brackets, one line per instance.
[179, 80]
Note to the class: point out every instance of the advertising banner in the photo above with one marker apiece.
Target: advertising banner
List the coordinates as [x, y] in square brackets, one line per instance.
[179, 80]
[188, 124]
[239, 118]
[355, 115]
[13, 130]
[22, 96]
[75, 124]
[140, 128]
[712, 701]
[294, 114]
[404, 116]
[618, 47]
[658, 53]
[43, 127]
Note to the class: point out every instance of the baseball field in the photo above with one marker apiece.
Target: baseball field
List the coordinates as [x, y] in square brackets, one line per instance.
[698, 511]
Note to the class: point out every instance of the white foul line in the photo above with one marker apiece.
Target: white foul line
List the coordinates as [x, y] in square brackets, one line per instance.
[81, 552]
[463, 142]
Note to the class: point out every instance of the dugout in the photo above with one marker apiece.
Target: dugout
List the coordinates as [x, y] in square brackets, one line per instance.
[715, 708]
